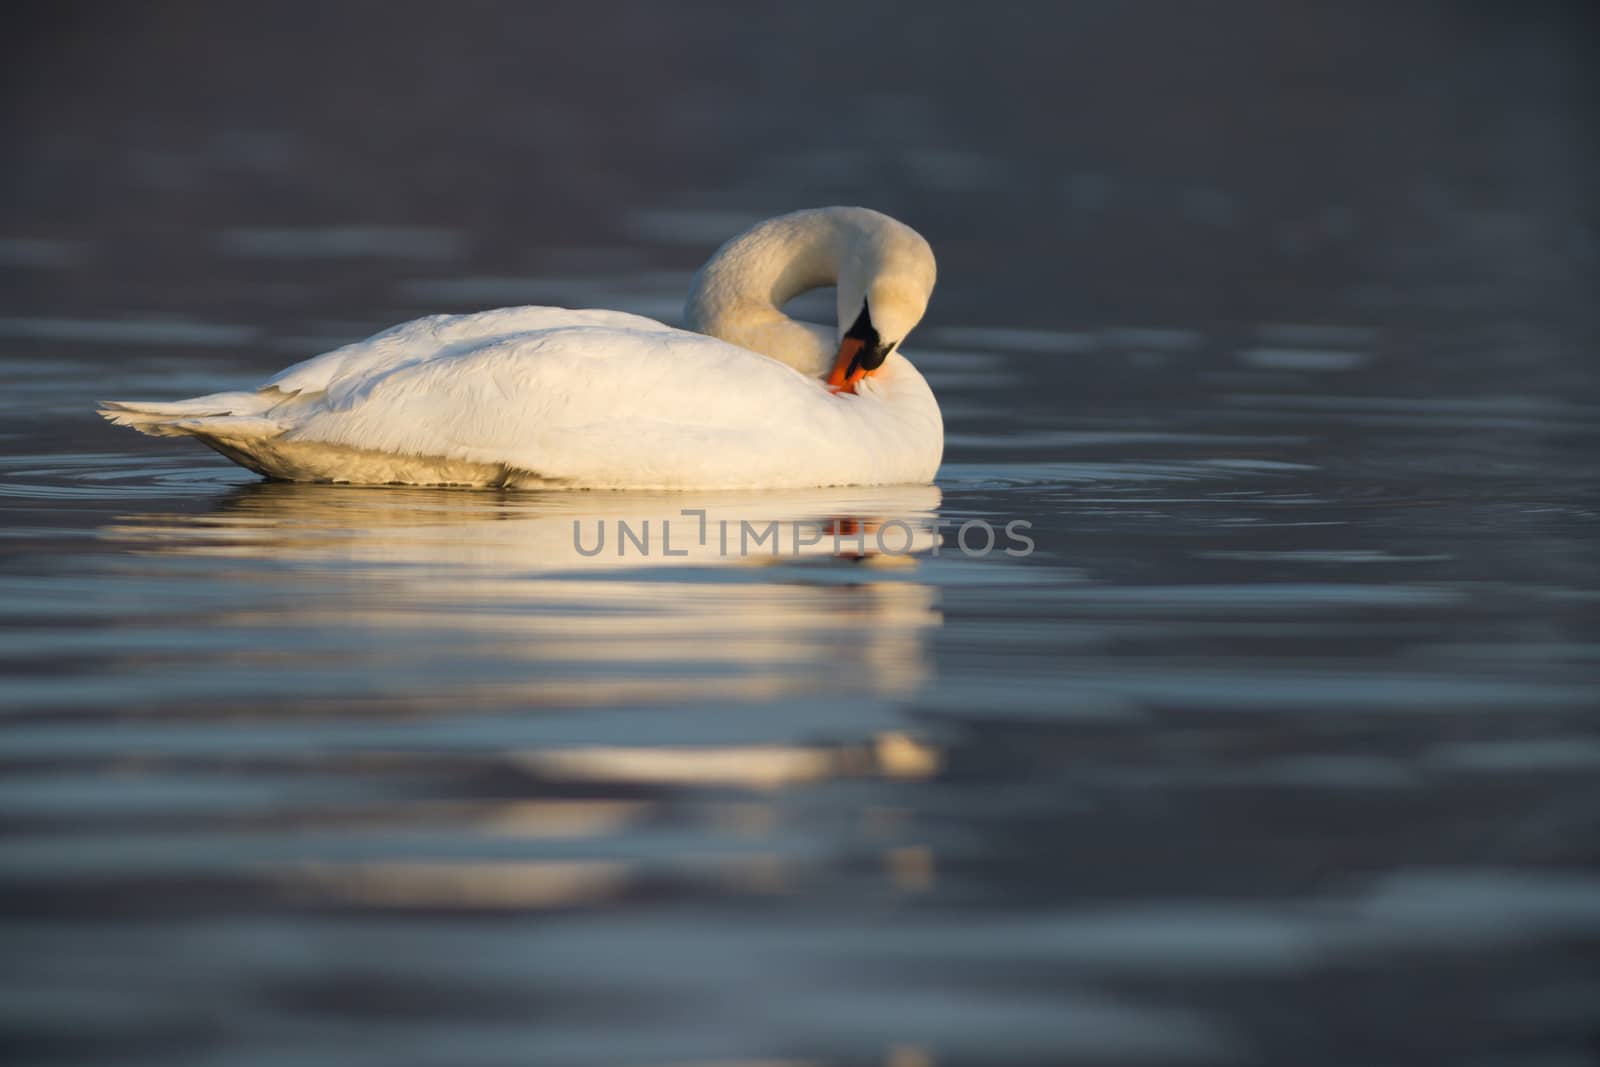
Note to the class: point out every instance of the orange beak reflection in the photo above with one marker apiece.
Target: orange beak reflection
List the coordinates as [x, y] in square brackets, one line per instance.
[847, 369]
[841, 526]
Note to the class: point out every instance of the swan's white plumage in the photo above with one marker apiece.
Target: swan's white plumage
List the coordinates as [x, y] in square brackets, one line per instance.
[539, 396]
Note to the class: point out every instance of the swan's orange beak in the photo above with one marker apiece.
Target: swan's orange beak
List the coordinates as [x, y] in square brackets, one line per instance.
[847, 366]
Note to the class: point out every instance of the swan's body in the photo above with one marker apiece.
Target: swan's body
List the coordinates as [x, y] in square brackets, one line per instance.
[548, 397]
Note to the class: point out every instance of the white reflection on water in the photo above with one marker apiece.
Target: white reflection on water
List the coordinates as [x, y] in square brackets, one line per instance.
[550, 533]
[501, 599]
[893, 755]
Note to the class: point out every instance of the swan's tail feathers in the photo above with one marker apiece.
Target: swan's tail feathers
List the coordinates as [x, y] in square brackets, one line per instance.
[232, 415]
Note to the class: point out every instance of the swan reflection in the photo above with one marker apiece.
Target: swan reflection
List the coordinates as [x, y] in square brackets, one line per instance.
[502, 598]
[558, 531]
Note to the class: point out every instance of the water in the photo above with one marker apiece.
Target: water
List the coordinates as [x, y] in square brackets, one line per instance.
[1279, 746]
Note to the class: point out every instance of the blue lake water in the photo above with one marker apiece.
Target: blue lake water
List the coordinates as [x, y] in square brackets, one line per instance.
[1279, 745]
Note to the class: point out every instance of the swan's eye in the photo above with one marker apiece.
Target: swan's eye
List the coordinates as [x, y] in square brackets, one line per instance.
[862, 329]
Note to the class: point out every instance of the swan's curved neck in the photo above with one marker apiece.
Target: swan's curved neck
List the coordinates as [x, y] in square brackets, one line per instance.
[739, 294]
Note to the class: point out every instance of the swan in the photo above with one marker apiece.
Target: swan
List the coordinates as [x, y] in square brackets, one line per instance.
[545, 397]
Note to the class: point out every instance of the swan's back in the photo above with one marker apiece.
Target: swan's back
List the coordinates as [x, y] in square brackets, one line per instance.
[435, 337]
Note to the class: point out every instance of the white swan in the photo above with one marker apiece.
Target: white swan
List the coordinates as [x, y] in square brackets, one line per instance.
[552, 398]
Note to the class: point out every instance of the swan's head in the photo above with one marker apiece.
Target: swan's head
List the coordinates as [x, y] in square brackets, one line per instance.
[885, 280]
[882, 271]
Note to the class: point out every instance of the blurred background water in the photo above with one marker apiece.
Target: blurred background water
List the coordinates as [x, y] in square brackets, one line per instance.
[1275, 320]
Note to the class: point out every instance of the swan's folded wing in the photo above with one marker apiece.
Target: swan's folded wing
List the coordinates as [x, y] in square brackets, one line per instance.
[352, 367]
[589, 404]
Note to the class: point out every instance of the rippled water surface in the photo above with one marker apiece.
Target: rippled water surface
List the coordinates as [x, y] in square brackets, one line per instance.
[1275, 743]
